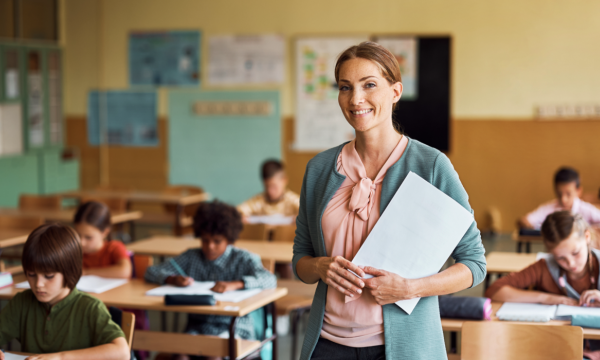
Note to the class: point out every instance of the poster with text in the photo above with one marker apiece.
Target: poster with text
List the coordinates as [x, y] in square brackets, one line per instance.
[405, 49]
[169, 58]
[320, 123]
[246, 59]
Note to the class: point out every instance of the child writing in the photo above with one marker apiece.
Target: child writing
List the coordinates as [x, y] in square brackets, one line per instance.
[568, 191]
[217, 225]
[101, 255]
[568, 275]
[53, 318]
[276, 199]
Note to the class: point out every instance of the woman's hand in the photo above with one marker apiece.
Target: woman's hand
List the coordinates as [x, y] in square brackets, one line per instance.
[223, 286]
[387, 287]
[334, 272]
[590, 298]
[552, 299]
[181, 281]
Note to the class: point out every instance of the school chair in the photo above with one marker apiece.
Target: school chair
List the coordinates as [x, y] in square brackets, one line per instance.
[284, 233]
[184, 224]
[268, 264]
[119, 188]
[126, 321]
[24, 224]
[254, 232]
[495, 340]
[40, 202]
[115, 204]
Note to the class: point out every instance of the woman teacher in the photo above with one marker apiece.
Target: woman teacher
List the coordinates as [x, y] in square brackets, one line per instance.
[345, 190]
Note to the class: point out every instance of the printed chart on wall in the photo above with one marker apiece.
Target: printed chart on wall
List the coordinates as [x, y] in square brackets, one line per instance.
[319, 122]
[246, 59]
[127, 118]
[164, 58]
[406, 51]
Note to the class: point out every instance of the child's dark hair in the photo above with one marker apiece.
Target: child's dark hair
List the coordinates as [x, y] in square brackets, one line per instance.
[218, 218]
[566, 175]
[560, 225]
[270, 168]
[95, 214]
[54, 248]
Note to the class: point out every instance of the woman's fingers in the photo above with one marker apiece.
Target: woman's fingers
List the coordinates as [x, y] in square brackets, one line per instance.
[349, 265]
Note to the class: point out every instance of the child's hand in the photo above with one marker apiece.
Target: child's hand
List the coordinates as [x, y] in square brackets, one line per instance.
[56, 356]
[590, 298]
[1, 355]
[560, 300]
[181, 281]
[223, 286]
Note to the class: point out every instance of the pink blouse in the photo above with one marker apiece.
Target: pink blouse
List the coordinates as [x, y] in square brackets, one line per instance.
[348, 219]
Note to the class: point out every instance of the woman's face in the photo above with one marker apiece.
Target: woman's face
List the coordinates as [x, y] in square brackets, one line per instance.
[365, 96]
[572, 253]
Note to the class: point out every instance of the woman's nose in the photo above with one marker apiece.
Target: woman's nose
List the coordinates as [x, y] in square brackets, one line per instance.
[357, 97]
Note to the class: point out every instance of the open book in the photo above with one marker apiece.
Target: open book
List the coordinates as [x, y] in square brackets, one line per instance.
[90, 284]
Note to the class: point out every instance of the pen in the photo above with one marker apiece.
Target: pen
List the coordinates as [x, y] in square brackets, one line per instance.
[177, 267]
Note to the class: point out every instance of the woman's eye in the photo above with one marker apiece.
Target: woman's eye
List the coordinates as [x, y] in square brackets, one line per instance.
[370, 85]
[344, 88]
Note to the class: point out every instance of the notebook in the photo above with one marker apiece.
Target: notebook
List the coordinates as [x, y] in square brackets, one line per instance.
[203, 288]
[566, 310]
[526, 312]
[9, 356]
[90, 284]
[5, 279]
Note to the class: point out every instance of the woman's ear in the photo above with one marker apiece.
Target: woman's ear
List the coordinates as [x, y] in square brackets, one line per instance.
[397, 89]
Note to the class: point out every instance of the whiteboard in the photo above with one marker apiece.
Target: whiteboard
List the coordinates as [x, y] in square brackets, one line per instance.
[246, 59]
[320, 123]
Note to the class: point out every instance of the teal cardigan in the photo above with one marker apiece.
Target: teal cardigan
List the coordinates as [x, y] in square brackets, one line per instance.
[415, 336]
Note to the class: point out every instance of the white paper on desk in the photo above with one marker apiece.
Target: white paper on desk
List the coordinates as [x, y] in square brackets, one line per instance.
[270, 219]
[90, 284]
[567, 310]
[9, 356]
[203, 288]
[416, 234]
[526, 312]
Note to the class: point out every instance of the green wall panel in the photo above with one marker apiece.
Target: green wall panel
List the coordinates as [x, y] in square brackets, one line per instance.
[56, 174]
[222, 153]
[18, 174]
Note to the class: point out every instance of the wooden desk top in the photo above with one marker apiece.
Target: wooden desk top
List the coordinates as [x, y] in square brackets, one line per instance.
[297, 287]
[140, 196]
[66, 215]
[507, 262]
[133, 296]
[456, 324]
[12, 237]
[279, 251]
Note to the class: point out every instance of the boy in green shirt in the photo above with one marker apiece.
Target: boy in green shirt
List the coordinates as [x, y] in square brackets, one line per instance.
[53, 318]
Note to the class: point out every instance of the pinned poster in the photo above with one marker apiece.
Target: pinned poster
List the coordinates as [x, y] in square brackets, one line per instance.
[246, 59]
[405, 49]
[164, 58]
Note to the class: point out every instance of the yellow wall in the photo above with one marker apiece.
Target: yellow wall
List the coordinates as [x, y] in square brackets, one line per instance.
[508, 55]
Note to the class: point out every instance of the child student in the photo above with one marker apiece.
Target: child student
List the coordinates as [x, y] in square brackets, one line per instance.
[53, 317]
[276, 199]
[568, 275]
[217, 225]
[101, 255]
[568, 192]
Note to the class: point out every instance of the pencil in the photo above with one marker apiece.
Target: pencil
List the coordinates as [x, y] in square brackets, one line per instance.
[177, 267]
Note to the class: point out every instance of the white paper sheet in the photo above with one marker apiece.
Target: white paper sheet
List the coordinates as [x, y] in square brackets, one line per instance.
[526, 312]
[416, 234]
[566, 310]
[9, 356]
[271, 219]
[203, 288]
[90, 284]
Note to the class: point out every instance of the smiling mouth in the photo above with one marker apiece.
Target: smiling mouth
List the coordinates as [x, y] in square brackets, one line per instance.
[361, 112]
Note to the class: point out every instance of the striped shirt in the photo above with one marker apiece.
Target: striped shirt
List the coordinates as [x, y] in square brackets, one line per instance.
[234, 265]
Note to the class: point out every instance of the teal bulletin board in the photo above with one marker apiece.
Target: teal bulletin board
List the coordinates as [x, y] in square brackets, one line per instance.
[222, 153]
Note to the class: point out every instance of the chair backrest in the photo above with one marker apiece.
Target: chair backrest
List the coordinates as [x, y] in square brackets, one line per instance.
[254, 232]
[114, 203]
[140, 264]
[269, 264]
[40, 202]
[495, 340]
[182, 190]
[284, 233]
[25, 223]
[126, 320]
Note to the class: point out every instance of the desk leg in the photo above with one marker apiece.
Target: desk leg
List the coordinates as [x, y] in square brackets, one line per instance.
[487, 281]
[232, 347]
[453, 347]
[132, 230]
[274, 317]
[519, 243]
[528, 247]
[177, 226]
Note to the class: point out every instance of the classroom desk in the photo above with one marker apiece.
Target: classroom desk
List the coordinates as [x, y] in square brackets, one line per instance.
[181, 201]
[12, 237]
[506, 262]
[164, 245]
[133, 296]
[527, 240]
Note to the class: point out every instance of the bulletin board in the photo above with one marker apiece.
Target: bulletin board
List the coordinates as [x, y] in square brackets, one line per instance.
[215, 145]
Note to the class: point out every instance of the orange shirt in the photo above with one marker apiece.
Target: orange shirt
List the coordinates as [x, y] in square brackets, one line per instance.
[110, 254]
[538, 276]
